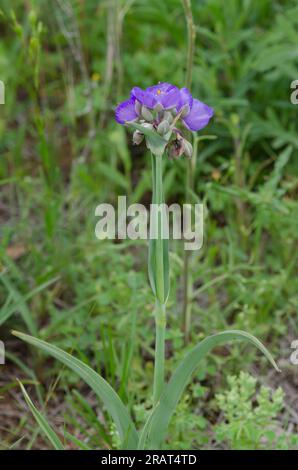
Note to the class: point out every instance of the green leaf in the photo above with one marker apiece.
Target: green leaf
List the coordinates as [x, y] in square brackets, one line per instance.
[42, 422]
[175, 387]
[145, 431]
[103, 390]
[81, 445]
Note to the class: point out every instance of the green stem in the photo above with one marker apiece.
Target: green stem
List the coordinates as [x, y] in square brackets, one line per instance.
[159, 242]
[187, 296]
[191, 30]
[159, 276]
[187, 277]
[159, 367]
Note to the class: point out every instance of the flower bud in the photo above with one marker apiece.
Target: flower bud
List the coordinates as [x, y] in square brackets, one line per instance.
[163, 127]
[158, 107]
[188, 150]
[138, 108]
[176, 147]
[148, 125]
[147, 115]
[168, 117]
[137, 137]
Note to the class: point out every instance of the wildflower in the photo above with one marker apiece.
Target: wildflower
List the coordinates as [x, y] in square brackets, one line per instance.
[163, 107]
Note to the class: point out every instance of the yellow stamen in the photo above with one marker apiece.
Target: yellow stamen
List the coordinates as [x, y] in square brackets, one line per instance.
[158, 92]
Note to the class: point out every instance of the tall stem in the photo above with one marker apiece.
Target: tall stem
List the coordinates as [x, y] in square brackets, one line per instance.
[159, 242]
[191, 30]
[159, 367]
[187, 277]
[158, 273]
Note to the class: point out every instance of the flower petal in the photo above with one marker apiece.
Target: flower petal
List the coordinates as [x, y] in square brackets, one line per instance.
[165, 94]
[125, 112]
[199, 116]
[185, 99]
[161, 87]
[144, 97]
[171, 98]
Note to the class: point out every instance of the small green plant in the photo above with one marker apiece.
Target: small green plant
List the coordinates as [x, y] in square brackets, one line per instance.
[250, 417]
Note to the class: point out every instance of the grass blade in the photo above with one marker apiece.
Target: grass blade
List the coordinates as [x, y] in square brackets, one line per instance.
[42, 422]
[81, 445]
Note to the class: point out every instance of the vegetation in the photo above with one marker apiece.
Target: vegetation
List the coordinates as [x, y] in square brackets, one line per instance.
[66, 65]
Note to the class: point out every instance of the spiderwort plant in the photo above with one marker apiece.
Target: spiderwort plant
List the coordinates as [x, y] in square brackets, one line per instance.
[156, 115]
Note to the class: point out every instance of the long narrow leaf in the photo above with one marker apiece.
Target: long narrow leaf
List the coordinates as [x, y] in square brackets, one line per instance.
[42, 422]
[171, 395]
[81, 445]
[103, 390]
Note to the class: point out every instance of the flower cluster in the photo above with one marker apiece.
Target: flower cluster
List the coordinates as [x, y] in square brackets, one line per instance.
[160, 108]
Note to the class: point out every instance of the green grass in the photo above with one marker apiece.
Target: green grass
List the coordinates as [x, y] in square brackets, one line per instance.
[62, 154]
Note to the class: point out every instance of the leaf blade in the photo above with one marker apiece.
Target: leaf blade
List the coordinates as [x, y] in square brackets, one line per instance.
[102, 389]
[180, 378]
[42, 422]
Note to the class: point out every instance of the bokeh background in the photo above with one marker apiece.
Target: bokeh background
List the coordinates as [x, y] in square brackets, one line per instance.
[65, 65]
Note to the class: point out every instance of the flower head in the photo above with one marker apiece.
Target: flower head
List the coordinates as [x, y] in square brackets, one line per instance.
[164, 106]
[161, 96]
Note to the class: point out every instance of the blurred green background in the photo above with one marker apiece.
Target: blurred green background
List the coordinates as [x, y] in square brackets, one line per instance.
[65, 65]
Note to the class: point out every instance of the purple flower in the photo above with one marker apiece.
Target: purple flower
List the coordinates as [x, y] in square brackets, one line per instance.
[161, 96]
[126, 111]
[198, 116]
[162, 107]
[185, 99]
